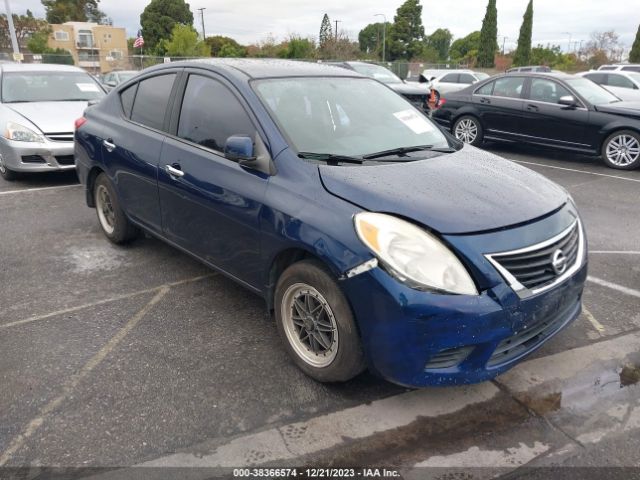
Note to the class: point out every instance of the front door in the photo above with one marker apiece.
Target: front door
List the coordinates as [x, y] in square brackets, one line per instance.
[500, 105]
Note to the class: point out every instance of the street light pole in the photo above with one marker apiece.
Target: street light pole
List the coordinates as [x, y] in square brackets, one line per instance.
[337, 21]
[384, 33]
[504, 39]
[12, 30]
[202, 20]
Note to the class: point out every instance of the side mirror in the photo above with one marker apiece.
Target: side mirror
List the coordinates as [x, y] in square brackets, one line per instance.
[432, 79]
[568, 100]
[240, 148]
[422, 79]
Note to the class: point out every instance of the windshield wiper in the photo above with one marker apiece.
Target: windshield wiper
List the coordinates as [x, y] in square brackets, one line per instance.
[403, 150]
[330, 158]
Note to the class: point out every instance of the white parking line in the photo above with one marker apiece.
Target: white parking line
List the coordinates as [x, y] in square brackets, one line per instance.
[576, 170]
[102, 302]
[75, 379]
[614, 286]
[616, 252]
[38, 189]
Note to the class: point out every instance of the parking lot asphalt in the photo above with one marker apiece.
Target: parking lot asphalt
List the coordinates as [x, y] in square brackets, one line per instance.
[115, 356]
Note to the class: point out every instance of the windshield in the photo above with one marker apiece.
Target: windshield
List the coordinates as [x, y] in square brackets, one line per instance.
[126, 76]
[49, 87]
[482, 75]
[337, 116]
[635, 77]
[375, 71]
[592, 92]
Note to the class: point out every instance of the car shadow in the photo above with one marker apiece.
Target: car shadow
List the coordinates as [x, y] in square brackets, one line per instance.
[40, 179]
[541, 153]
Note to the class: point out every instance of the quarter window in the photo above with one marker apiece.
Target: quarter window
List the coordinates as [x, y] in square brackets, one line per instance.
[619, 81]
[126, 97]
[151, 100]
[510, 87]
[466, 78]
[599, 78]
[486, 89]
[543, 90]
[210, 114]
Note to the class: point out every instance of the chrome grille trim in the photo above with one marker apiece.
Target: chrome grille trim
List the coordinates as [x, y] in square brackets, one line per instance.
[522, 290]
[60, 137]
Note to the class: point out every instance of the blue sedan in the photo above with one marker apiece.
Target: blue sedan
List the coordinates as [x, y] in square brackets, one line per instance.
[375, 238]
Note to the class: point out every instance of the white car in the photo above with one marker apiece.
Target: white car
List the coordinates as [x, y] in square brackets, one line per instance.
[624, 67]
[623, 84]
[445, 81]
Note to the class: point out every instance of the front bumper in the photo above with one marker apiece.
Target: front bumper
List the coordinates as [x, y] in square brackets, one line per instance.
[406, 331]
[37, 157]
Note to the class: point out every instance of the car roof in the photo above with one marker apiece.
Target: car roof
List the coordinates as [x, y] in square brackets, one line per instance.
[556, 75]
[255, 68]
[38, 67]
[444, 71]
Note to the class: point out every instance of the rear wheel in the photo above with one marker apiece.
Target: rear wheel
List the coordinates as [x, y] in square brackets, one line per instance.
[316, 325]
[468, 129]
[114, 223]
[621, 150]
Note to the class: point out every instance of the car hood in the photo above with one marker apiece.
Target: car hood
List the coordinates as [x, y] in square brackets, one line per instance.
[50, 117]
[626, 109]
[409, 89]
[462, 192]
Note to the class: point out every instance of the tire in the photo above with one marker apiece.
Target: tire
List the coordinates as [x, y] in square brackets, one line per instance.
[331, 332]
[8, 175]
[468, 129]
[113, 222]
[621, 150]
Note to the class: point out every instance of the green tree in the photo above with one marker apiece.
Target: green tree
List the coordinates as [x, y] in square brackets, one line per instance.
[38, 43]
[440, 41]
[370, 38]
[25, 27]
[465, 49]
[158, 19]
[58, 55]
[184, 42]
[523, 52]
[326, 33]
[61, 11]
[634, 55]
[488, 37]
[231, 48]
[407, 34]
[298, 47]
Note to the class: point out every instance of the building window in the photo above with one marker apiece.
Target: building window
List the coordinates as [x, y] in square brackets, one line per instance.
[115, 54]
[85, 39]
[61, 36]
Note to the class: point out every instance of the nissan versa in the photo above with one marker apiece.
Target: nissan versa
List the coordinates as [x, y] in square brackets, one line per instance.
[377, 240]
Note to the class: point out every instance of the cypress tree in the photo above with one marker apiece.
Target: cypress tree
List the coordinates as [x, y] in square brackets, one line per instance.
[326, 33]
[489, 37]
[523, 52]
[634, 55]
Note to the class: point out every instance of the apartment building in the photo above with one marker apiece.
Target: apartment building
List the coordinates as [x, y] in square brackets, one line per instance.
[96, 48]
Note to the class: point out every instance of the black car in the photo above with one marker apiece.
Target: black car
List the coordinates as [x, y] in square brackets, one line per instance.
[546, 109]
[416, 93]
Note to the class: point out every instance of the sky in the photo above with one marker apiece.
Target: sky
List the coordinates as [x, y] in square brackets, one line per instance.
[249, 21]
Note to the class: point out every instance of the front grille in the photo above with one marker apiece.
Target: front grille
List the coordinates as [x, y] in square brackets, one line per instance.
[60, 137]
[33, 159]
[528, 339]
[448, 358]
[533, 267]
[65, 160]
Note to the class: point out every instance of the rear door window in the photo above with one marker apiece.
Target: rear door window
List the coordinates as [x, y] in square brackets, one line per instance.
[450, 78]
[510, 87]
[466, 78]
[486, 89]
[619, 81]
[151, 100]
[599, 78]
[211, 113]
[548, 91]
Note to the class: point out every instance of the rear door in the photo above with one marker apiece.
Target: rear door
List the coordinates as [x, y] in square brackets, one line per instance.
[448, 83]
[211, 205]
[547, 122]
[500, 105]
[132, 146]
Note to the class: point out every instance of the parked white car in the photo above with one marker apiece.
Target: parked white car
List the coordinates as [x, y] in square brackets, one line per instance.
[445, 81]
[623, 84]
[624, 67]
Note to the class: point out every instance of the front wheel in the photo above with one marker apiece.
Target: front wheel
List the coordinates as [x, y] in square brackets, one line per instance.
[7, 174]
[468, 129]
[316, 325]
[621, 150]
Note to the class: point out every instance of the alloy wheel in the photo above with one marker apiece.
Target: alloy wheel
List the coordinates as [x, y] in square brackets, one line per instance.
[623, 150]
[466, 130]
[3, 169]
[310, 325]
[106, 214]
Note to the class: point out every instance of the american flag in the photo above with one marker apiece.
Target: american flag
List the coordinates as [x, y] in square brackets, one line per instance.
[139, 43]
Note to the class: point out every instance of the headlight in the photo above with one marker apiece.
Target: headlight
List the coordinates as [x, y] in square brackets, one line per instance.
[20, 133]
[413, 255]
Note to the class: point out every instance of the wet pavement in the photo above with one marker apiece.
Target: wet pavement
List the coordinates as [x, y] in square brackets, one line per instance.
[120, 356]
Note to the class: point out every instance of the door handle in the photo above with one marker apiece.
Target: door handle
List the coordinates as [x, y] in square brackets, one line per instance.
[174, 170]
[485, 100]
[109, 145]
[533, 108]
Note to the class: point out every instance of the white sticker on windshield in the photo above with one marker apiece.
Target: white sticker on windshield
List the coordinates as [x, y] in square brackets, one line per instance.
[417, 123]
[87, 87]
